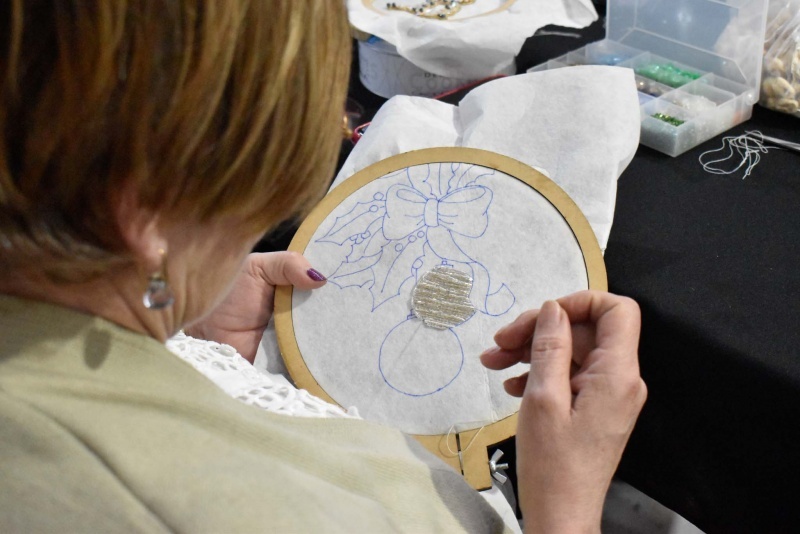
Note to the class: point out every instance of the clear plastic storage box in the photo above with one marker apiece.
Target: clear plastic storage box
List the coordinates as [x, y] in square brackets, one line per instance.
[697, 64]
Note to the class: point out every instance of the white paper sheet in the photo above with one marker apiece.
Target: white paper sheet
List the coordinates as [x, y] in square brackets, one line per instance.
[478, 42]
[580, 126]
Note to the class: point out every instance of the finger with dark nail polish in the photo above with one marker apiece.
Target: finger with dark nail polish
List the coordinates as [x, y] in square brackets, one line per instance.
[315, 275]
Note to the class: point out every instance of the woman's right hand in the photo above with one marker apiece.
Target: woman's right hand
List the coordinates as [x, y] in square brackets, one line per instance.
[580, 400]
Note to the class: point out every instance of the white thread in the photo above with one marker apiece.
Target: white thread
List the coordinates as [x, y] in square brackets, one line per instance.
[453, 431]
[749, 147]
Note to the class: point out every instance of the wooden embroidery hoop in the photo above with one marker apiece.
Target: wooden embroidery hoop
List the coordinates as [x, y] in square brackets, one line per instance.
[466, 451]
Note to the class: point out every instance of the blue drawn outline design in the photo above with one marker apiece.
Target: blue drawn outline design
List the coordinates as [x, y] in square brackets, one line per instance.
[388, 383]
[421, 217]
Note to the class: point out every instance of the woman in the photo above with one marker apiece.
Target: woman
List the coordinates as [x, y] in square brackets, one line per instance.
[146, 146]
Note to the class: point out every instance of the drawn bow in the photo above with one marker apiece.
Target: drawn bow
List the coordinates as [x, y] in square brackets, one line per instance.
[463, 211]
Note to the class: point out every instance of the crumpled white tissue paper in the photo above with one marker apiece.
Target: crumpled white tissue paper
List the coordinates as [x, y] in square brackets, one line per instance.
[481, 39]
[579, 126]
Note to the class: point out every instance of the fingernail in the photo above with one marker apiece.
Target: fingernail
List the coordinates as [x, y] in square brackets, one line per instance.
[315, 275]
[505, 328]
[514, 380]
[549, 316]
[489, 351]
[515, 384]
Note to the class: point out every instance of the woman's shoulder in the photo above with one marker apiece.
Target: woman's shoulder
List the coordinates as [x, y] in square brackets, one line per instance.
[53, 480]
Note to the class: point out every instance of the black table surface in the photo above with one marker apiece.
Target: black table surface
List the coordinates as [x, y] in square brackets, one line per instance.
[714, 262]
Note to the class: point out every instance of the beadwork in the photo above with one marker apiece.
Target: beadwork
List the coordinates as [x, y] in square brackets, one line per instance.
[432, 9]
[441, 298]
[669, 119]
[668, 74]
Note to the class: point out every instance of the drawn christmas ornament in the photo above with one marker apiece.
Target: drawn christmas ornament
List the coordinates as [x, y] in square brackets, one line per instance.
[439, 302]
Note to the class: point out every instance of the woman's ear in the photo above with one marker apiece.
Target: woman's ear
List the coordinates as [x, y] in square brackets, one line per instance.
[139, 228]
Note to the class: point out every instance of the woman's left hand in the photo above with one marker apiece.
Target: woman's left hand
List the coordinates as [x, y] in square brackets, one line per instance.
[241, 318]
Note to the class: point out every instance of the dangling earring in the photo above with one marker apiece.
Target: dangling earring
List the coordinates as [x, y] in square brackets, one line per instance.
[158, 294]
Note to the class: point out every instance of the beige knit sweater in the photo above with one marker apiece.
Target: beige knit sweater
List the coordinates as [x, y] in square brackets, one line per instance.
[104, 430]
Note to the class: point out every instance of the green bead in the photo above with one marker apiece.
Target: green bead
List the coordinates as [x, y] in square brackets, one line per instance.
[667, 118]
[668, 74]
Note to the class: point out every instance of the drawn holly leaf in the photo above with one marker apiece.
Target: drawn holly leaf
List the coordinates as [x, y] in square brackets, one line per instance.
[355, 273]
[464, 175]
[368, 243]
[419, 177]
[356, 221]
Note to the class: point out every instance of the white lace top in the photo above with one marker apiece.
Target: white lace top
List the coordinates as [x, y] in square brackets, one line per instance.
[239, 379]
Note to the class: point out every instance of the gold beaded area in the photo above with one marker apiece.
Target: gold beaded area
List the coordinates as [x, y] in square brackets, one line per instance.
[441, 298]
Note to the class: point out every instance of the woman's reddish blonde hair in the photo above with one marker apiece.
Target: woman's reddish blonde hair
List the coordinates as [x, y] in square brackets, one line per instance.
[208, 108]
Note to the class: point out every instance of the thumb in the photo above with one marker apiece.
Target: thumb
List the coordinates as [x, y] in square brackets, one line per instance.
[551, 358]
[285, 268]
